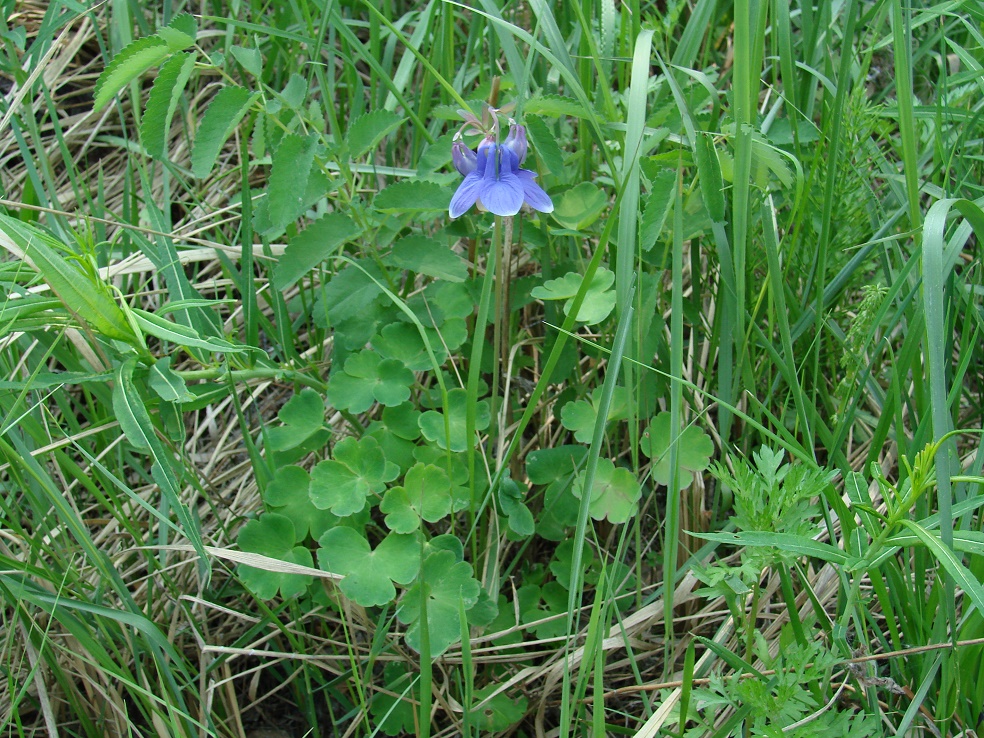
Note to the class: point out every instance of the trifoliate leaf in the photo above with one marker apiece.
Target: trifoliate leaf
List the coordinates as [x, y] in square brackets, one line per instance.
[494, 713]
[369, 574]
[350, 293]
[402, 341]
[693, 451]
[448, 586]
[512, 506]
[287, 494]
[366, 379]
[426, 493]
[598, 302]
[358, 469]
[614, 495]
[579, 416]
[580, 206]
[302, 417]
[273, 535]
[432, 422]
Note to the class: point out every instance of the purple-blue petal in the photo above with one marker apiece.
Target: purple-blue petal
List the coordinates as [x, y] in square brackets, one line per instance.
[502, 196]
[534, 195]
[466, 195]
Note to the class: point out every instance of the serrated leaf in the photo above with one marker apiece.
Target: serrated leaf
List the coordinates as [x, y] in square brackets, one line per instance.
[657, 208]
[412, 196]
[368, 130]
[182, 335]
[133, 60]
[351, 292]
[78, 291]
[598, 302]
[615, 492]
[227, 108]
[250, 59]
[369, 575]
[312, 246]
[163, 102]
[318, 187]
[709, 177]
[273, 535]
[693, 451]
[545, 145]
[181, 32]
[580, 206]
[427, 256]
[289, 174]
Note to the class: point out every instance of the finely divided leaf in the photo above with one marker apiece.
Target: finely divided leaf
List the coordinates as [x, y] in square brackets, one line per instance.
[220, 120]
[135, 59]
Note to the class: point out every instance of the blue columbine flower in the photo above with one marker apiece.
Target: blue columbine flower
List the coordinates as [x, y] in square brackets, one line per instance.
[494, 179]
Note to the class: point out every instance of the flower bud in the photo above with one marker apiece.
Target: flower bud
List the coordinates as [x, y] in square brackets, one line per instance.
[464, 158]
[516, 141]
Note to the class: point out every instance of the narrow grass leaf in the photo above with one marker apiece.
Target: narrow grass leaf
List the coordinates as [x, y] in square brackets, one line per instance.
[77, 290]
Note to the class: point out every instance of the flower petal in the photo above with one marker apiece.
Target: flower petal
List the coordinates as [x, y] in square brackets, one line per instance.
[502, 190]
[502, 196]
[466, 194]
[533, 194]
